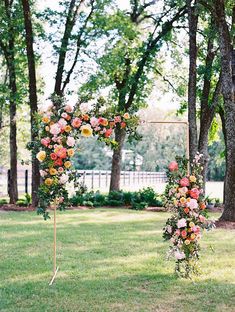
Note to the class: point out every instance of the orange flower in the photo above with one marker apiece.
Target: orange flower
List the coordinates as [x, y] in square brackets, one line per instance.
[182, 200]
[67, 128]
[202, 206]
[45, 119]
[53, 171]
[48, 182]
[70, 152]
[85, 117]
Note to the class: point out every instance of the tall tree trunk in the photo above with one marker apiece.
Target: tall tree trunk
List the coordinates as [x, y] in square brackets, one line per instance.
[192, 84]
[13, 188]
[32, 96]
[120, 135]
[225, 42]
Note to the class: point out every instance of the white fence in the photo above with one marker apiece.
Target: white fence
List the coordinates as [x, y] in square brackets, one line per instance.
[93, 179]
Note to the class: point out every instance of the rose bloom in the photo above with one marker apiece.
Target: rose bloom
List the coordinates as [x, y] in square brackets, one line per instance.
[58, 162]
[94, 122]
[41, 156]
[123, 125]
[45, 119]
[184, 182]
[64, 115]
[55, 129]
[45, 141]
[103, 121]
[192, 204]
[173, 166]
[85, 117]
[86, 130]
[47, 128]
[61, 152]
[69, 108]
[193, 236]
[179, 255]
[67, 128]
[53, 156]
[184, 233]
[62, 122]
[202, 206]
[76, 122]
[67, 164]
[60, 169]
[70, 152]
[183, 200]
[70, 141]
[186, 210]
[192, 179]
[111, 124]
[196, 229]
[53, 171]
[108, 132]
[202, 218]
[48, 181]
[191, 224]
[169, 229]
[187, 242]
[117, 119]
[177, 232]
[126, 116]
[64, 178]
[43, 173]
[181, 223]
[194, 193]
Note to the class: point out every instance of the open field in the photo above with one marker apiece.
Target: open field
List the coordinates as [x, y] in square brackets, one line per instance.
[110, 260]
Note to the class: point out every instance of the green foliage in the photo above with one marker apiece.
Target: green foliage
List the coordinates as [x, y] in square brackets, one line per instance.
[25, 202]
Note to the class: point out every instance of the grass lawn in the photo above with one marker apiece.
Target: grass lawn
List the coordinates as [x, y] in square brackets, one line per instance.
[110, 260]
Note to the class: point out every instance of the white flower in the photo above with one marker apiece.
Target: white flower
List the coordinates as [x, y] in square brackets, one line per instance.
[181, 223]
[169, 229]
[70, 141]
[179, 255]
[85, 107]
[64, 178]
[55, 129]
[43, 173]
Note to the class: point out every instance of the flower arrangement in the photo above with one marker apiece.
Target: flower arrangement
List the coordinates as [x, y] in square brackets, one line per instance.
[59, 130]
[185, 197]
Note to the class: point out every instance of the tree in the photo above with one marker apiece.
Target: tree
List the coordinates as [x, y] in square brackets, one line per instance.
[7, 45]
[225, 42]
[32, 94]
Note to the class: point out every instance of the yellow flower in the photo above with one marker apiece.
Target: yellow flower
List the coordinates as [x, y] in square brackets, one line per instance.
[53, 171]
[126, 116]
[191, 224]
[182, 200]
[67, 164]
[67, 128]
[41, 156]
[48, 182]
[187, 242]
[70, 152]
[175, 202]
[193, 236]
[86, 130]
[45, 119]
[192, 179]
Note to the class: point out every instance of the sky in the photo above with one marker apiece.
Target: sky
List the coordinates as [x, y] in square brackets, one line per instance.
[158, 99]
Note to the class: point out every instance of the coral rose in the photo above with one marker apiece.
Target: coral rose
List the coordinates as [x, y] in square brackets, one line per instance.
[53, 156]
[184, 182]
[58, 162]
[76, 122]
[173, 166]
[194, 193]
[126, 116]
[108, 133]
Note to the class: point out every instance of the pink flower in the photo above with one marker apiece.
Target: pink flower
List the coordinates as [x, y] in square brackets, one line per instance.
[76, 122]
[62, 123]
[177, 232]
[196, 229]
[45, 141]
[61, 169]
[181, 223]
[70, 141]
[61, 152]
[184, 182]
[69, 108]
[55, 129]
[64, 115]
[192, 204]
[194, 193]
[173, 166]
[108, 133]
[202, 218]
[117, 119]
[94, 122]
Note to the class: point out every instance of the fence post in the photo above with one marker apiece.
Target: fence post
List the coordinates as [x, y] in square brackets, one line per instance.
[99, 179]
[106, 182]
[92, 180]
[8, 181]
[26, 181]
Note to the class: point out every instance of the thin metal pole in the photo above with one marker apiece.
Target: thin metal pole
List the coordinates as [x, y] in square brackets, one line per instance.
[55, 269]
